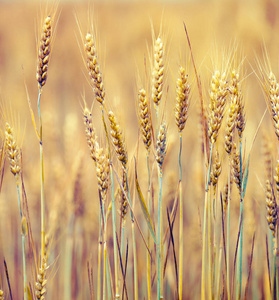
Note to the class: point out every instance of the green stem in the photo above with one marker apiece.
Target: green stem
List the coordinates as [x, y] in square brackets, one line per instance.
[228, 241]
[105, 260]
[148, 257]
[134, 243]
[159, 279]
[180, 224]
[239, 257]
[117, 296]
[99, 257]
[205, 227]
[24, 267]
[42, 182]
[240, 249]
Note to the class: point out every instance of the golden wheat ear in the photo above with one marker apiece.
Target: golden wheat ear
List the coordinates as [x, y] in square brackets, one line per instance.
[40, 285]
[182, 99]
[94, 68]
[161, 146]
[118, 140]
[12, 151]
[145, 119]
[44, 52]
[90, 133]
[271, 207]
[158, 71]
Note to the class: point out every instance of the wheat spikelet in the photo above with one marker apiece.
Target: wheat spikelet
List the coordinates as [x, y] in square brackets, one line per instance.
[236, 168]
[267, 155]
[225, 196]
[102, 170]
[145, 119]
[240, 117]
[89, 132]
[216, 170]
[1, 295]
[40, 285]
[158, 71]
[217, 103]
[117, 139]
[123, 199]
[271, 207]
[231, 120]
[276, 176]
[94, 68]
[273, 96]
[161, 145]
[44, 52]
[182, 99]
[12, 151]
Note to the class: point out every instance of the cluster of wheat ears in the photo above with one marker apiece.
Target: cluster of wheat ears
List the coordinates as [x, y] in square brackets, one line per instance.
[120, 188]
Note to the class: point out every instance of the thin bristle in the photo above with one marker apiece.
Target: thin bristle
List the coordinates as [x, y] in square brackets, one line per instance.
[158, 71]
[182, 99]
[94, 68]
[44, 52]
[12, 151]
[117, 139]
[145, 119]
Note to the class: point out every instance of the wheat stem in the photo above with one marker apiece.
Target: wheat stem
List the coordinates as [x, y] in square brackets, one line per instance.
[148, 256]
[180, 223]
[159, 240]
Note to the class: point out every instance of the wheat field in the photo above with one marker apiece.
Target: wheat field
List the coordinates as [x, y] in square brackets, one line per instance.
[136, 162]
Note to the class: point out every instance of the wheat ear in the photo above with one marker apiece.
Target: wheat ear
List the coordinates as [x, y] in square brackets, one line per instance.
[145, 119]
[94, 68]
[90, 133]
[118, 140]
[40, 285]
[158, 72]
[273, 97]
[182, 99]
[44, 52]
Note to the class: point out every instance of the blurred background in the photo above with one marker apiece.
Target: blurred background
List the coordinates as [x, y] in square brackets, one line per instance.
[125, 31]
